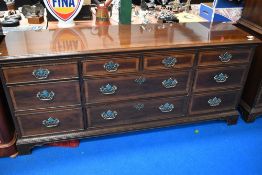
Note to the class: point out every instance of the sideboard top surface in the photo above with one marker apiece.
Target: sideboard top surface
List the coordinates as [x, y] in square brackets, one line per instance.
[105, 39]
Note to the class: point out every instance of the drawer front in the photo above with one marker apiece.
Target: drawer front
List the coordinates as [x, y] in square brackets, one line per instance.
[224, 56]
[45, 95]
[147, 85]
[137, 111]
[111, 66]
[52, 122]
[214, 101]
[39, 73]
[168, 60]
[220, 78]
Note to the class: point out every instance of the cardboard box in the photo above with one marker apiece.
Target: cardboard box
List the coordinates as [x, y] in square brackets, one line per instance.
[221, 11]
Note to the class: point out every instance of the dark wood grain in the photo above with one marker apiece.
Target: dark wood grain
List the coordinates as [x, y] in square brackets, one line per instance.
[25, 145]
[126, 65]
[7, 130]
[211, 57]
[139, 78]
[154, 61]
[6, 126]
[251, 21]
[9, 150]
[24, 97]
[32, 124]
[259, 103]
[251, 15]
[229, 100]
[128, 88]
[254, 80]
[129, 112]
[205, 79]
[24, 74]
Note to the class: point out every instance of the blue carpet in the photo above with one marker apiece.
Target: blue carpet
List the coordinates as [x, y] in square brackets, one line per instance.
[215, 149]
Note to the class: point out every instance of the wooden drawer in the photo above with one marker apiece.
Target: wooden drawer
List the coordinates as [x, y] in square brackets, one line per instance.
[111, 65]
[136, 111]
[216, 101]
[147, 85]
[40, 72]
[168, 60]
[228, 77]
[224, 56]
[36, 96]
[51, 122]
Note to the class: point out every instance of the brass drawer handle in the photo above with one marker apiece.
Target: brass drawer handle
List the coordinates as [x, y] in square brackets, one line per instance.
[221, 78]
[41, 73]
[169, 83]
[51, 122]
[109, 115]
[140, 80]
[108, 89]
[166, 107]
[214, 101]
[225, 57]
[111, 66]
[169, 62]
[45, 95]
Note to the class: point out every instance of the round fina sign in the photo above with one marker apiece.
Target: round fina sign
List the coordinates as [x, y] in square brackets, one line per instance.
[64, 10]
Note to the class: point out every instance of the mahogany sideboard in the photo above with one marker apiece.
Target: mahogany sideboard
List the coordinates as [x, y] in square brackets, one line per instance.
[82, 82]
[251, 101]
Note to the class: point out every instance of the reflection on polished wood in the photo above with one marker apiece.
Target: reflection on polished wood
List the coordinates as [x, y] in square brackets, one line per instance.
[119, 38]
